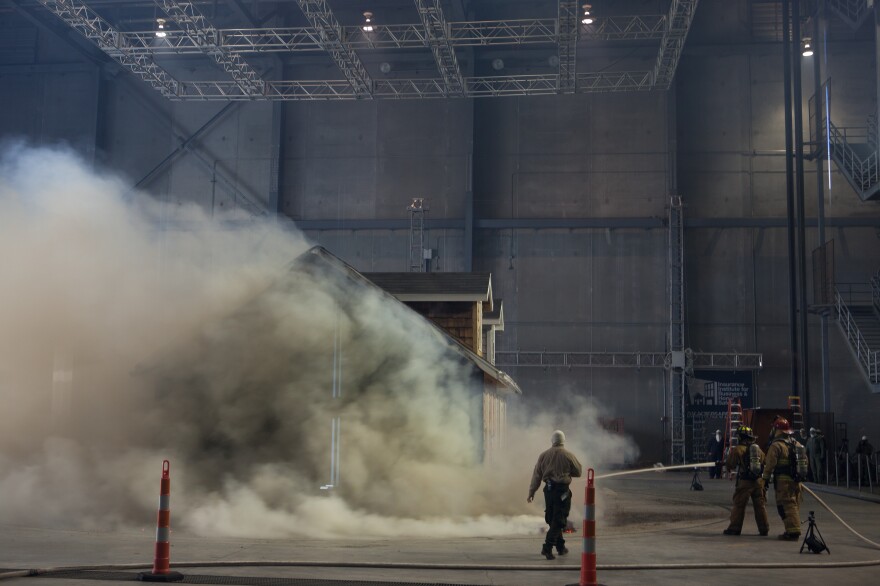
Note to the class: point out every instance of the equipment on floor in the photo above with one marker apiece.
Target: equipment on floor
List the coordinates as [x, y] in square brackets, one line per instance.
[813, 538]
[695, 480]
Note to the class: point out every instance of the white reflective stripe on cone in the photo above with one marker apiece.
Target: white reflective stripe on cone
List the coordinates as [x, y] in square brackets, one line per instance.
[165, 502]
[163, 534]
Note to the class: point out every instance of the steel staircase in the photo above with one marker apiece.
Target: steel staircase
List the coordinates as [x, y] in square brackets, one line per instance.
[860, 324]
[852, 12]
[853, 148]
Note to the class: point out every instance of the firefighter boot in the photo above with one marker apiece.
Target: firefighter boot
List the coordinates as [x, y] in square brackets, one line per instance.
[547, 551]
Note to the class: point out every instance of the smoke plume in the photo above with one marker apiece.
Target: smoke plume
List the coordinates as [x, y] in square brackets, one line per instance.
[130, 334]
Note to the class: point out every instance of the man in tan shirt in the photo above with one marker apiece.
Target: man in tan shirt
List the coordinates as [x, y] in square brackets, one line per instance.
[556, 467]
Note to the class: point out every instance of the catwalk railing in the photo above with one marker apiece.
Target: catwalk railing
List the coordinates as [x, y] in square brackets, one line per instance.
[866, 356]
[701, 360]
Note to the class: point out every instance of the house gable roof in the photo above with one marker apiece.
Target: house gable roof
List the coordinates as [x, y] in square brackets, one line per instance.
[318, 256]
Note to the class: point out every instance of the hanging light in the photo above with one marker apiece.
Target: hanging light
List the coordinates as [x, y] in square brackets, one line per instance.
[160, 28]
[807, 47]
[588, 18]
[368, 22]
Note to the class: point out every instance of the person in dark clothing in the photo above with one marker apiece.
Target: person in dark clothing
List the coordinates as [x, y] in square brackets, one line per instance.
[864, 450]
[716, 454]
[556, 467]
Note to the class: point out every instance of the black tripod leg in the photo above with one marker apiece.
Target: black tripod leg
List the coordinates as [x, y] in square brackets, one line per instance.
[822, 540]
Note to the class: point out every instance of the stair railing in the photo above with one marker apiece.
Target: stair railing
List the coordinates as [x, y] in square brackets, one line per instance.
[867, 358]
[864, 172]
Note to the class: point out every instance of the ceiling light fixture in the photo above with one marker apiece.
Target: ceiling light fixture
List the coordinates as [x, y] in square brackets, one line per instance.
[587, 19]
[807, 47]
[368, 22]
[160, 28]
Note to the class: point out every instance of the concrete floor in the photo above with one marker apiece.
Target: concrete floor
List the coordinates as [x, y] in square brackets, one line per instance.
[646, 519]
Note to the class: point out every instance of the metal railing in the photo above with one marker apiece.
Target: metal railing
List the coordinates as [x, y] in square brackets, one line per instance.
[872, 132]
[857, 471]
[866, 357]
[864, 173]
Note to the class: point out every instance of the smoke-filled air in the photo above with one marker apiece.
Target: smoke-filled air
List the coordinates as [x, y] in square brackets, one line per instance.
[134, 330]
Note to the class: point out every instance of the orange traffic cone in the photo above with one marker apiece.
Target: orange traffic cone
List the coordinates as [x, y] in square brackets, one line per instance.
[588, 556]
[162, 559]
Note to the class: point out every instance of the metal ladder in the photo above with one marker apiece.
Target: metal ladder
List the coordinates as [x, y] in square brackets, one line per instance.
[797, 415]
[734, 420]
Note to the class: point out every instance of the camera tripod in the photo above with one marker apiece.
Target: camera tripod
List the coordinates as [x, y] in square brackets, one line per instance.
[813, 538]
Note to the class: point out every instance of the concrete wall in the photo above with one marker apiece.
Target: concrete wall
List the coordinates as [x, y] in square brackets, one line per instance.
[715, 139]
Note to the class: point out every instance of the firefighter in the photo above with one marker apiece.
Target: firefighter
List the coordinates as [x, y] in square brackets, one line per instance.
[780, 464]
[556, 467]
[747, 459]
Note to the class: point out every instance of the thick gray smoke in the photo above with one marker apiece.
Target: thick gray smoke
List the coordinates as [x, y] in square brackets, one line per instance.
[126, 339]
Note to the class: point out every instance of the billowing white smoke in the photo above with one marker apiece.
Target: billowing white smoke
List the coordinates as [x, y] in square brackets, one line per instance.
[126, 339]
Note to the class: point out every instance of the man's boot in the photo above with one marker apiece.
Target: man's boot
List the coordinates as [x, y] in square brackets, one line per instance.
[560, 547]
[547, 551]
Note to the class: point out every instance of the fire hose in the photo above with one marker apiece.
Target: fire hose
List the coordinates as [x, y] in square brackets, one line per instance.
[490, 567]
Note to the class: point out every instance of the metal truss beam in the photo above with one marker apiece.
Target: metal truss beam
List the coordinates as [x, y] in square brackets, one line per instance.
[681, 15]
[567, 29]
[626, 28]
[88, 23]
[701, 361]
[332, 37]
[414, 89]
[405, 36]
[203, 35]
[437, 34]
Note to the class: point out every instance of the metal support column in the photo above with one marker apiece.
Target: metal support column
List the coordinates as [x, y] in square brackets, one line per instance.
[801, 205]
[677, 368]
[469, 215]
[819, 39]
[789, 196]
[877, 53]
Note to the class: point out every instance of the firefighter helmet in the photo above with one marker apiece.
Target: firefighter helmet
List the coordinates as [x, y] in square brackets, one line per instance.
[782, 425]
[745, 432]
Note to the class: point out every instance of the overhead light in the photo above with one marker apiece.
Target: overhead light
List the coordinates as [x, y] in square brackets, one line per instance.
[807, 47]
[553, 60]
[588, 18]
[497, 64]
[368, 22]
[385, 67]
[160, 28]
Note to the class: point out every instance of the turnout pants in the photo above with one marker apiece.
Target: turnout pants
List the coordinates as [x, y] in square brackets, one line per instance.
[788, 495]
[557, 500]
[745, 490]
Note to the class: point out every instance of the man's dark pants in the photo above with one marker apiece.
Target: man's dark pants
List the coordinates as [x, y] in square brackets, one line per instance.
[557, 500]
